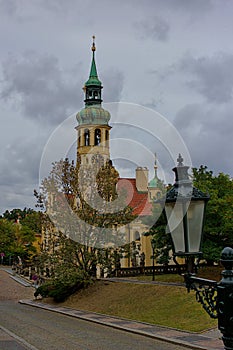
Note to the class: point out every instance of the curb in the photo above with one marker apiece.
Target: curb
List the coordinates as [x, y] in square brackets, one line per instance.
[21, 280]
[10, 339]
[174, 336]
[18, 278]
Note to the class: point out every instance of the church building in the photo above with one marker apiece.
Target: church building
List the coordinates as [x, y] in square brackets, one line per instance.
[93, 136]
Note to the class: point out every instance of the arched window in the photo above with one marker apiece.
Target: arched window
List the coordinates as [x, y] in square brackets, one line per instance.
[136, 236]
[79, 138]
[106, 135]
[95, 95]
[86, 137]
[97, 137]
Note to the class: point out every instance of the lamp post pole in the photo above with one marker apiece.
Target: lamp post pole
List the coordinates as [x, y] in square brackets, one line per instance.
[217, 297]
[225, 299]
[184, 209]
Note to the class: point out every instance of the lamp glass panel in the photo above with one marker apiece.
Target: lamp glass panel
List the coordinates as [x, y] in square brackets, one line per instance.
[195, 216]
[174, 213]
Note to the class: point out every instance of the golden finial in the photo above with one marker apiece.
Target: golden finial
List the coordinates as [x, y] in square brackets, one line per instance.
[93, 44]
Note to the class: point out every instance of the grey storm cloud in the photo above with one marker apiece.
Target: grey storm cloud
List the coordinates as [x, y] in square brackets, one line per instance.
[47, 93]
[192, 10]
[199, 124]
[113, 81]
[43, 90]
[21, 161]
[197, 6]
[19, 172]
[19, 198]
[154, 27]
[8, 7]
[210, 76]
[25, 8]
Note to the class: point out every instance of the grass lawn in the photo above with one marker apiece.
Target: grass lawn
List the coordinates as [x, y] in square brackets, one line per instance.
[160, 278]
[212, 273]
[169, 306]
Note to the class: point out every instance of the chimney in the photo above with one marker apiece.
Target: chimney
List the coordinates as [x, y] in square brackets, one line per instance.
[142, 179]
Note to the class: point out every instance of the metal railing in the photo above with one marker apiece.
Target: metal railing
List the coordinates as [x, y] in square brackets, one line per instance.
[148, 270]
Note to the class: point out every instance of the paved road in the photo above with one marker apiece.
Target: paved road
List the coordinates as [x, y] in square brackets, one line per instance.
[46, 330]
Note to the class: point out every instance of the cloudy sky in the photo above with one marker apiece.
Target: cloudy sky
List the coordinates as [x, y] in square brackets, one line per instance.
[173, 56]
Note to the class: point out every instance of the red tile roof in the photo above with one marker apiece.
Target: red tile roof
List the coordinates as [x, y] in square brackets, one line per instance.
[136, 200]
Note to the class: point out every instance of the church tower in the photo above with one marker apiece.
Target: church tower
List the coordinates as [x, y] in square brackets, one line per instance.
[93, 129]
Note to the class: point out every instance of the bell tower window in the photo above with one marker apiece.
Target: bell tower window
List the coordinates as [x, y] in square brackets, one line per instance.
[95, 95]
[97, 137]
[86, 137]
[79, 138]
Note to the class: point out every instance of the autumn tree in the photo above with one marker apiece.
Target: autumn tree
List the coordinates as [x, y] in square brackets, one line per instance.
[85, 208]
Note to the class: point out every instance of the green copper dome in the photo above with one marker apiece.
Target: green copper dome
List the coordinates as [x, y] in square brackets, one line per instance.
[94, 115]
[93, 81]
[153, 183]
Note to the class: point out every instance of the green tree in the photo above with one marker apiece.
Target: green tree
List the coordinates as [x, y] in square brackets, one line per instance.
[16, 240]
[6, 235]
[218, 227]
[157, 231]
[80, 209]
[16, 214]
[22, 244]
[33, 220]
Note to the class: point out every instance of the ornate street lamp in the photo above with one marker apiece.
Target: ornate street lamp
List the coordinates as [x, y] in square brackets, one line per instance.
[153, 245]
[185, 208]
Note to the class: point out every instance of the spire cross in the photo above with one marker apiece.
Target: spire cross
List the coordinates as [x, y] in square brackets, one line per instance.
[93, 44]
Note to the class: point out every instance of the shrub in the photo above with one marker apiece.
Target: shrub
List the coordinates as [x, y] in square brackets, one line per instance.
[44, 290]
[63, 285]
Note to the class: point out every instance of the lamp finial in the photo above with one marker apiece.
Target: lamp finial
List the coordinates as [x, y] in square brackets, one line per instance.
[180, 160]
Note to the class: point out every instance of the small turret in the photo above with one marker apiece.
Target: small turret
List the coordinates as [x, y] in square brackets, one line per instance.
[154, 190]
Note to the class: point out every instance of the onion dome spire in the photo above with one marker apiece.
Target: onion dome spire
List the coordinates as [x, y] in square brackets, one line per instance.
[93, 85]
[93, 113]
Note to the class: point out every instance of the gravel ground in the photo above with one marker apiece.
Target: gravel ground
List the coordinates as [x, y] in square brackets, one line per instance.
[12, 290]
